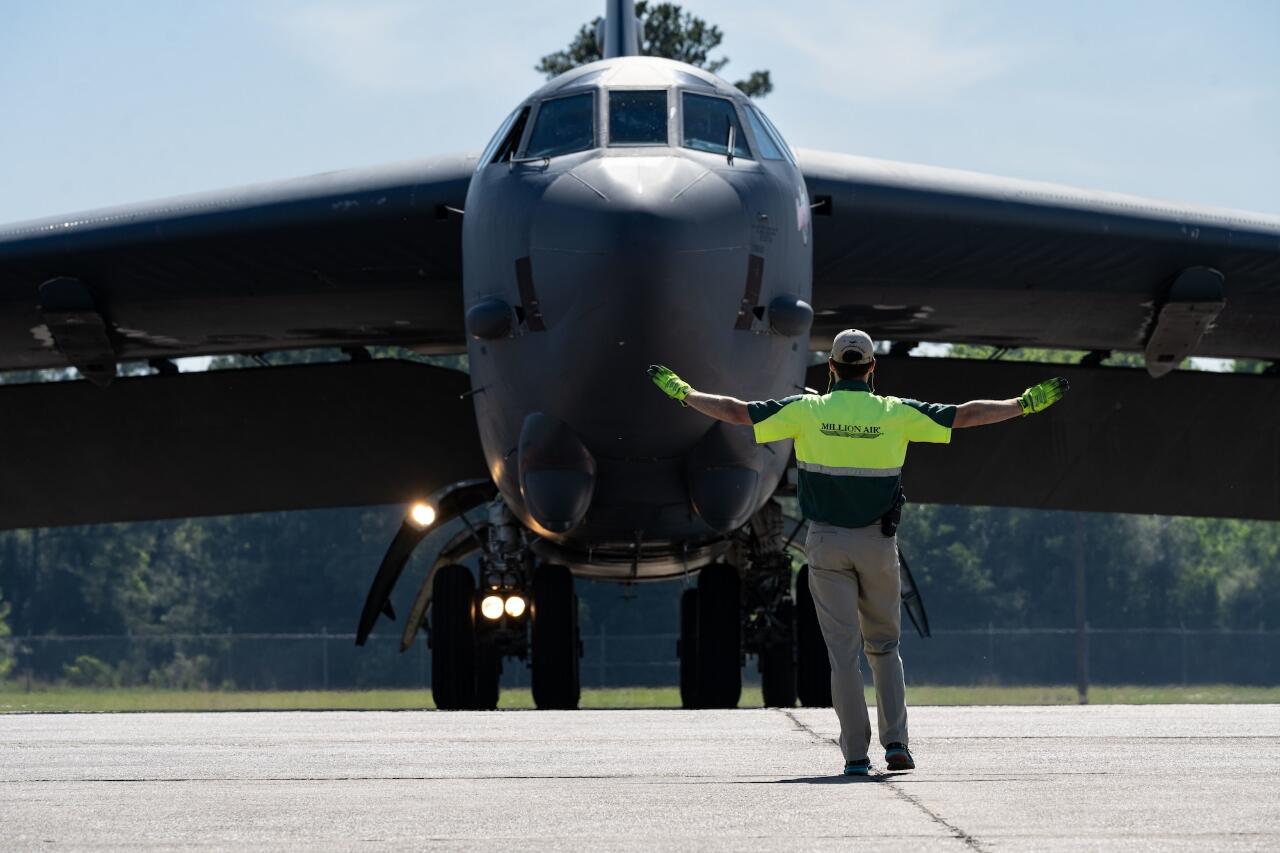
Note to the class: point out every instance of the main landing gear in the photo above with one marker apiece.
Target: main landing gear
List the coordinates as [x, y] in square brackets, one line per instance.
[745, 606]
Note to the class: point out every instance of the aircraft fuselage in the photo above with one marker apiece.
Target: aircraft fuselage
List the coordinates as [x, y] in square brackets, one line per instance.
[581, 269]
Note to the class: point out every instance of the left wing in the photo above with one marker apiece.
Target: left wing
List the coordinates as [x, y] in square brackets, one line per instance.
[258, 439]
[917, 253]
[362, 256]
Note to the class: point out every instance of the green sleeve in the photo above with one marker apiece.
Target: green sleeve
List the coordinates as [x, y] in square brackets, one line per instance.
[774, 420]
[928, 422]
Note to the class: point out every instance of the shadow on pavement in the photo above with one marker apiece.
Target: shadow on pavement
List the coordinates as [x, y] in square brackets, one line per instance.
[839, 779]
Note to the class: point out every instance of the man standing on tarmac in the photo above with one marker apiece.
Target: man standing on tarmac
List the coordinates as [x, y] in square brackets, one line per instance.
[850, 491]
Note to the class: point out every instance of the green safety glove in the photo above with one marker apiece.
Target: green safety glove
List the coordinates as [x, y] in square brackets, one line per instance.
[1037, 398]
[673, 386]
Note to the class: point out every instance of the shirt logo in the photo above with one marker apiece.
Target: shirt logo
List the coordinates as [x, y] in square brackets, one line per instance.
[851, 431]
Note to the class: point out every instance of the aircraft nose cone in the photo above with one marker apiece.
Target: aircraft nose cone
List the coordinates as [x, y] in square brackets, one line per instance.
[644, 260]
[637, 205]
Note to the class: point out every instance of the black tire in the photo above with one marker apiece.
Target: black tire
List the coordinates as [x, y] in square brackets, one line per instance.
[719, 648]
[488, 675]
[555, 647]
[453, 639]
[813, 666]
[778, 664]
[687, 648]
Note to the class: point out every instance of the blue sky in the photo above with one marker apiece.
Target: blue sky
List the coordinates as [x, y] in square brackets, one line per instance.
[112, 102]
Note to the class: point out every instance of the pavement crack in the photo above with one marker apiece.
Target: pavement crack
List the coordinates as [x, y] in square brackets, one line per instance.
[956, 832]
[795, 721]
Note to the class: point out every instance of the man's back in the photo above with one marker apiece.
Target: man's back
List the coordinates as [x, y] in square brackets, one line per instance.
[850, 447]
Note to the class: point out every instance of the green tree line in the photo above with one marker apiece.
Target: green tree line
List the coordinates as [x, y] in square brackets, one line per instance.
[307, 571]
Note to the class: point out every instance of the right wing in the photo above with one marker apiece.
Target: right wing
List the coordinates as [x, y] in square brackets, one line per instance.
[366, 256]
[1192, 443]
[919, 253]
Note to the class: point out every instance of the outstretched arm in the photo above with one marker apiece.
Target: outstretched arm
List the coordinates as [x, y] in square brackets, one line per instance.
[982, 412]
[1037, 398]
[727, 409]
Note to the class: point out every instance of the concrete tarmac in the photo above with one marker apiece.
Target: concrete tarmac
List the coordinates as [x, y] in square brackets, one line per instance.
[990, 778]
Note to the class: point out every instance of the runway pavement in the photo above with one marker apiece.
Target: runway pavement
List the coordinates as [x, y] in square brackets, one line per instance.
[1004, 778]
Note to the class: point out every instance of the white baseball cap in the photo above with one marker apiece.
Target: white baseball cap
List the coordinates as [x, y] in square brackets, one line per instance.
[853, 346]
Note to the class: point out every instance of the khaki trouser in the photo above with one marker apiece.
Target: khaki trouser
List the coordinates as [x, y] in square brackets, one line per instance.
[853, 575]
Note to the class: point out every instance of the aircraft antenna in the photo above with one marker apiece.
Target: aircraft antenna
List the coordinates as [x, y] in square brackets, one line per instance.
[619, 33]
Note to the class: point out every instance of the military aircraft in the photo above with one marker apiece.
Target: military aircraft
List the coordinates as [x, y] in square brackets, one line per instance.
[629, 211]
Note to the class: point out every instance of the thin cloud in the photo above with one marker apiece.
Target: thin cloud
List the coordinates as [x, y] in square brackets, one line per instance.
[869, 53]
[396, 47]
[363, 46]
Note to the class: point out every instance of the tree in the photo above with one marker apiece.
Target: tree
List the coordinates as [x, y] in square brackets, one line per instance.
[6, 650]
[667, 31]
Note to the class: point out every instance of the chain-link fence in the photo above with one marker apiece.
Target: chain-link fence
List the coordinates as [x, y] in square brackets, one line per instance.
[332, 661]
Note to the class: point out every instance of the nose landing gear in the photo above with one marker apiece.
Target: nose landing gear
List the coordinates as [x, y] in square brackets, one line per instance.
[514, 610]
[473, 629]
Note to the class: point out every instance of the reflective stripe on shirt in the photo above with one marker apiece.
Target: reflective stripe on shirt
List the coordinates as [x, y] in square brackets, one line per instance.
[846, 471]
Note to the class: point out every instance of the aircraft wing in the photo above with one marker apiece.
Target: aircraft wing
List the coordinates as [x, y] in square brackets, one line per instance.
[917, 253]
[257, 439]
[367, 256]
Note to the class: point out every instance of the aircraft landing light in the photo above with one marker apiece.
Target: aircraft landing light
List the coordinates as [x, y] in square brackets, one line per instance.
[423, 515]
[515, 606]
[491, 607]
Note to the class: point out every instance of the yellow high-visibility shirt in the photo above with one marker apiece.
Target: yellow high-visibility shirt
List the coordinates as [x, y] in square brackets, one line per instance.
[850, 447]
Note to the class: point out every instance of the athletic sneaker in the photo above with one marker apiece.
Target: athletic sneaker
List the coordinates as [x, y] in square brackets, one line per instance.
[861, 767]
[898, 757]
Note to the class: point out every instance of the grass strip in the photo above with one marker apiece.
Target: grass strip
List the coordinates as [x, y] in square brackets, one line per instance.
[15, 699]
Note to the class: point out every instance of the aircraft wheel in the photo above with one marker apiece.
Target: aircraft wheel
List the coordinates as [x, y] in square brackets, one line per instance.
[778, 664]
[453, 639]
[813, 667]
[719, 646]
[687, 648]
[488, 673]
[555, 652]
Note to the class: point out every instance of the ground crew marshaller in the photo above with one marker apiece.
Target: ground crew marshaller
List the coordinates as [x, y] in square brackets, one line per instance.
[850, 445]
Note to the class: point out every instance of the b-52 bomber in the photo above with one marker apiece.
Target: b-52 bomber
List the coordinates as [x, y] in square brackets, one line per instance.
[630, 211]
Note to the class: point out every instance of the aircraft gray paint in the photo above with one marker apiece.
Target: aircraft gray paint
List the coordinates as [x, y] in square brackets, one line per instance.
[622, 254]
[630, 211]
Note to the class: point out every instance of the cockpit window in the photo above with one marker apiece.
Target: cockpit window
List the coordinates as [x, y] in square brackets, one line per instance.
[564, 125]
[757, 117]
[637, 118]
[764, 140]
[506, 140]
[707, 125]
